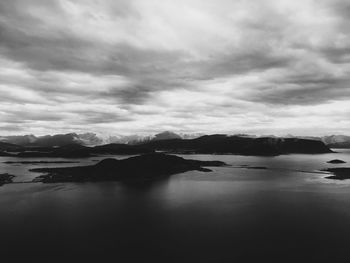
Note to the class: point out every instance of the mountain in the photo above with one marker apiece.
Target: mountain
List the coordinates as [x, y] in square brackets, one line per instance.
[138, 139]
[167, 135]
[91, 139]
[87, 139]
[339, 145]
[56, 140]
[224, 144]
[19, 139]
[188, 136]
[337, 141]
[128, 139]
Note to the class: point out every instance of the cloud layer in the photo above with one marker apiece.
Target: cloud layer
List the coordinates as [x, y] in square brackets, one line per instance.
[135, 66]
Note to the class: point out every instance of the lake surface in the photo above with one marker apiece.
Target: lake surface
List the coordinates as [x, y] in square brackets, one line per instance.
[286, 213]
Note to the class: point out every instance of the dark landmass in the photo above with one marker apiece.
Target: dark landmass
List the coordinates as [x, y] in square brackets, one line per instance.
[6, 147]
[6, 178]
[339, 173]
[67, 151]
[336, 161]
[332, 141]
[91, 139]
[208, 144]
[5, 154]
[75, 151]
[138, 168]
[223, 144]
[37, 162]
[339, 145]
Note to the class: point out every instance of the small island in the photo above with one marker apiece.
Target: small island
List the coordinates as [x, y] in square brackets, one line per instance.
[339, 173]
[139, 168]
[6, 178]
[336, 161]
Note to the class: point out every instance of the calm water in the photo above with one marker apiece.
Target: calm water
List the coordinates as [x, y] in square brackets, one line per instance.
[285, 213]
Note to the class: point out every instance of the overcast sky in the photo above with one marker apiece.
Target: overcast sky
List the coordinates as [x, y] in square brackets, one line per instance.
[143, 66]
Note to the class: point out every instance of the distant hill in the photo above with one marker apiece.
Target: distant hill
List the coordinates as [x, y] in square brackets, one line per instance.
[19, 139]
[128, 139]
[86, 139]
[4, 146]
[56, 140]
[92, 139]
[340, 145]
[223, 144]
[332, 141]
[337, 141]
[80, 151]
[138, 139]
[167, 135]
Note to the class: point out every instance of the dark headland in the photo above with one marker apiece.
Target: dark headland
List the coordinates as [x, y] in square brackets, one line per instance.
[339, 173]
[139, 168]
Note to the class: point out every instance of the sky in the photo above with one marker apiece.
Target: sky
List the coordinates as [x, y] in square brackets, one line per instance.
[145, 66]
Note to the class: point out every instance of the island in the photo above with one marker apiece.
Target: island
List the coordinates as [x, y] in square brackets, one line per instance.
[6, 178]
[139, 168]
[336, 161]
[339, 173]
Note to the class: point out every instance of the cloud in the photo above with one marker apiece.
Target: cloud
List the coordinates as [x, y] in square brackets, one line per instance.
[189, 65]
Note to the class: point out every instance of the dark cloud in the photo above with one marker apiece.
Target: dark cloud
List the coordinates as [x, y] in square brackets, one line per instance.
[300, 95]
[22, 116]
[304, 89]
[11, 128]
[97, 117]
[235, 64]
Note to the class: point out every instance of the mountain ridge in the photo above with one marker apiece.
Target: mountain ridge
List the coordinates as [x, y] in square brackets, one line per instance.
[92, 139]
